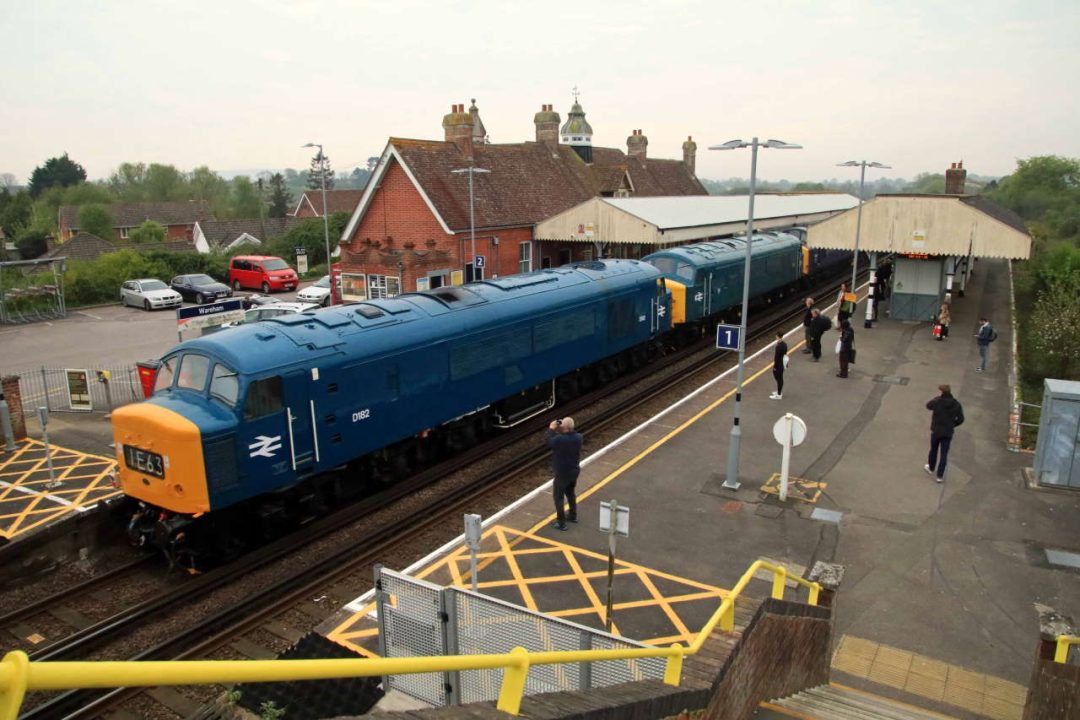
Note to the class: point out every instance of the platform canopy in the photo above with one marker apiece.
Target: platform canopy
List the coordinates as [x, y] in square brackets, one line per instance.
[937, 225]
[662, 221]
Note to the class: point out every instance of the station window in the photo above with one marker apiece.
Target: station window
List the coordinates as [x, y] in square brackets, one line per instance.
[353, 287]
[264, 398]
[194, 370]
[224, 385]
[525, 257]
[383, 286]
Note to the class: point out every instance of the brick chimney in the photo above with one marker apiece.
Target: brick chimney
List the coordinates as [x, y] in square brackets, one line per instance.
[458, 127]
[689, 154]
[636, 145]
[547, 127]
[955, 179]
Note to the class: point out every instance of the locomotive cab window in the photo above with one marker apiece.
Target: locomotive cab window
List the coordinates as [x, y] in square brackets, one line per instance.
[193, 372]
[264, 397]
[224, 386]
[165, 375]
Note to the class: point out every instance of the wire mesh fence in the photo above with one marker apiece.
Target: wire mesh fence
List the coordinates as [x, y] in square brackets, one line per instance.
[78, 389]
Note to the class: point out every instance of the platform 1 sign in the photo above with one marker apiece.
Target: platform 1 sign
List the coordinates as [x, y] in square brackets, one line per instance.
[728, 337]
[202, 316]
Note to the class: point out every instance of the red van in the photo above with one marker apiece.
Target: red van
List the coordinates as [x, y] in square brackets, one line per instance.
[261, 272]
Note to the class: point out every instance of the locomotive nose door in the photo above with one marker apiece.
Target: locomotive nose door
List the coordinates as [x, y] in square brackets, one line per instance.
[299, 413]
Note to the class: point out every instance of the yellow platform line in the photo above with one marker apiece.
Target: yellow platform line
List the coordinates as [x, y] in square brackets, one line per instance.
[598, 606]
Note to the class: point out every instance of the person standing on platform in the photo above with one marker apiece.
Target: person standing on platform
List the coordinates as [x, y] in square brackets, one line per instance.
[947, 415]
[565, 447]
[846, 301]
[984, 337]
[943, 319]
[779, 363]
[847, 347]
[818, 327]
[808, 317]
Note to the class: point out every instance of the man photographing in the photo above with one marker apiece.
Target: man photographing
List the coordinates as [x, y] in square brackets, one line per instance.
[565, 447]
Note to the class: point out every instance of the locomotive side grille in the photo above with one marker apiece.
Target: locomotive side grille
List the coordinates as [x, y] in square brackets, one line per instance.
[332, 388]
[336, 438]
[330, 419]
[220, 457]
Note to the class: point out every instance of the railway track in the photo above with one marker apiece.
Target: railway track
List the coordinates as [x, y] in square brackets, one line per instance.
[349, 565]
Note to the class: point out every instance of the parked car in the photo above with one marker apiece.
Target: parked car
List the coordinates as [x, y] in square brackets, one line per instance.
[318, 292]
[200, 288]
[261, 272]
[273, 310]
[149, 294]
[254, 300]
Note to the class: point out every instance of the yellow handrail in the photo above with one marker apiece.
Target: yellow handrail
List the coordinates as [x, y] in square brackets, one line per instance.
[1064, 642]
[18, 674]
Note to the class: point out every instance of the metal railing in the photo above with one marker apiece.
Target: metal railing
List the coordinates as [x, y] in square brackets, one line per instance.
[18, 674]
[49, 387]
[1017, 440]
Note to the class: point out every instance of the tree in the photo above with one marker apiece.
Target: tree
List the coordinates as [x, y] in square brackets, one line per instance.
[128, 182]
[165, 182]
[150, 231]
[358, 178]
[246, 202]
[1055, 326]
[320, 164]
[1046, 187]
[15, 213]
[280, 199]
[56, 172]
[310, 234]
[31, 243]
[927, 183]
[7, 181]
[96, 219]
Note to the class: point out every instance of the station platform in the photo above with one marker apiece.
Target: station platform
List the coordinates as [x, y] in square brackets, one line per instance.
[937, 606]
[30, 502]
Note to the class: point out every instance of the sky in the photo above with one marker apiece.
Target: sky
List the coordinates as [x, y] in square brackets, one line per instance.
[242, 84]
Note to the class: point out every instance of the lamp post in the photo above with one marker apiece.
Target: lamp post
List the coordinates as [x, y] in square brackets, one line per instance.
[863, 164]
[325, 219]
[731, 482]
[472, 211]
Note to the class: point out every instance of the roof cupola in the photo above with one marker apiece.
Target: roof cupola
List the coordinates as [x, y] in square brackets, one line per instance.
[576, 131]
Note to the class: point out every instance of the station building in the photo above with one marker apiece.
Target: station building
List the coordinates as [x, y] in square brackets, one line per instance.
[412, 227]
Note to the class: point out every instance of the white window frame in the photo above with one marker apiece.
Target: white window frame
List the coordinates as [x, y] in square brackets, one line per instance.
[124, 232]
[383, 286]
[525, 257]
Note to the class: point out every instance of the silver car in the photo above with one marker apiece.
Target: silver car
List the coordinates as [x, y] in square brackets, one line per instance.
[318, 292]
[149, 294]
[272, 310]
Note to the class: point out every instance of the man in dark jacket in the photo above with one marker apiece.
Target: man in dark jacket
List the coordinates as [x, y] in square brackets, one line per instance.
[947, 414]
[565, 447]
[819, 325]
[779, 362]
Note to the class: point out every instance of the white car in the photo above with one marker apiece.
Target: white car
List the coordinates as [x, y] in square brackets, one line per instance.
[149, 294]
[318, 292]
[273, 310]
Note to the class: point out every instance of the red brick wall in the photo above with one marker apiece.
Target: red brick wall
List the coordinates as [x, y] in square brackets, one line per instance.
[13, 396]
[398, 228]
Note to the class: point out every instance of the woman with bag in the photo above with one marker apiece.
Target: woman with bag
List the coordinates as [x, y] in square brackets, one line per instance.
[943, 320]
[845, 347]
[845, 300]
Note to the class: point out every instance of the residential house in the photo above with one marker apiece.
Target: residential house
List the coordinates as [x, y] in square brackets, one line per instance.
[311, 203]
[225, 235]
[413, 228]
[178, 218]
[87, 246]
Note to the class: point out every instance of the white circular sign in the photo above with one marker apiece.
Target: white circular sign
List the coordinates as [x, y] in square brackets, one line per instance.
[798, 429]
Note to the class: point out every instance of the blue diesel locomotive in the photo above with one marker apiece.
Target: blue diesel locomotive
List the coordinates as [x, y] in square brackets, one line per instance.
[256, 411]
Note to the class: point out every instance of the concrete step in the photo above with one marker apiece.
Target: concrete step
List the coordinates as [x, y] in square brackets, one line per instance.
[835, 702]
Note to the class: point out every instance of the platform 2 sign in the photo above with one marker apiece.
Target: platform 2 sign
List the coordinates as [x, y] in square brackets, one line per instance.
[202, 316]
[728, 337]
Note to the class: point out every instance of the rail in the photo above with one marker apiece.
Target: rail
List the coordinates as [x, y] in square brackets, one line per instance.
[18, 674]
[1064, 642]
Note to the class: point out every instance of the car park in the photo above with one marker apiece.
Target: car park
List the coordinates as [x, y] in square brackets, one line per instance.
[149, 294]
[199, 288]
[318, 292]
[261, 272]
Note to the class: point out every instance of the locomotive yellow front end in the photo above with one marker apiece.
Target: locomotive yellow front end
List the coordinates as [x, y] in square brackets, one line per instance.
[160, 458]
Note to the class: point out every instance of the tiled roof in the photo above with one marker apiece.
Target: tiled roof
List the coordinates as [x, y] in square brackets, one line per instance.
[336, 200]
[528, 182]
[83, 246]
[219, 233]
[135, 214]
[87, 246]
[991, 208]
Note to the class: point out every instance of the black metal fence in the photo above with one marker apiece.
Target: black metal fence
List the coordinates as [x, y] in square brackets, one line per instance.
[78, 389]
